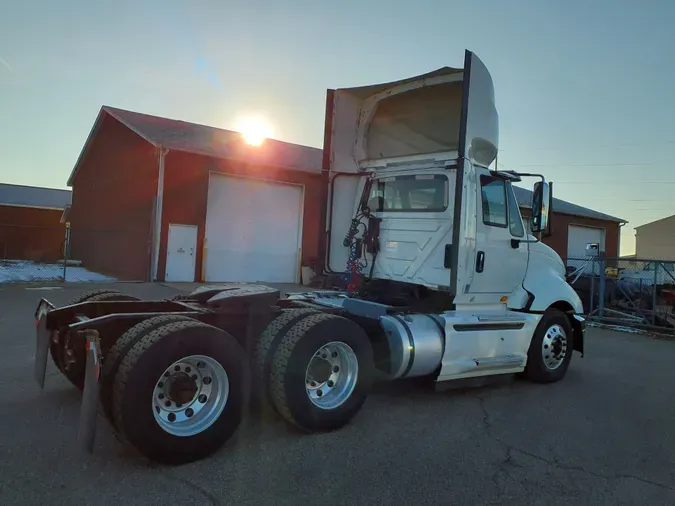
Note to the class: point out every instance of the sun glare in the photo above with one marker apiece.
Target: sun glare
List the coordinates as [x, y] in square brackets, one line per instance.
[255, 130]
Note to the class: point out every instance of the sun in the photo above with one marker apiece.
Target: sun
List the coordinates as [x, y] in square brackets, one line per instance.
[255, 130]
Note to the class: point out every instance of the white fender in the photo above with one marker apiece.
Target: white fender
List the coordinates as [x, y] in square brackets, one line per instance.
[545, 279]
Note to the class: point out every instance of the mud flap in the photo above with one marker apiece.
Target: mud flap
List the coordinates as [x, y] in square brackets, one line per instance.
[579, 327]
[91, 392]
[41, 341]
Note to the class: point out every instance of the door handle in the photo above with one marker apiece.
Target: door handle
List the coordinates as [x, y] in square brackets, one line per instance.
[480, 261]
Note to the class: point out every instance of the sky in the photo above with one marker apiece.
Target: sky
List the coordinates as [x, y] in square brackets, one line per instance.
[583, 88]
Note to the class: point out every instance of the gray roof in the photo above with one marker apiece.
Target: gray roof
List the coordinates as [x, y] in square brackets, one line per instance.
[524, 198]
[33, 196]
[655, 221]
[210, 141]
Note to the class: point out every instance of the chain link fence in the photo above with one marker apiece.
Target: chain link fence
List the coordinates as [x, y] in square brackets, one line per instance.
[631, 292]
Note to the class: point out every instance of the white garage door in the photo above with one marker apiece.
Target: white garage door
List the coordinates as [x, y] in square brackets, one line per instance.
[577, 238]
[253, 230]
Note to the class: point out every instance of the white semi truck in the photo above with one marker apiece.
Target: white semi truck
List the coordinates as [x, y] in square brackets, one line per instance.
[446, 285]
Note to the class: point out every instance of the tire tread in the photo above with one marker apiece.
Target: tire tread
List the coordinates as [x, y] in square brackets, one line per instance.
[131, 358]
[281, 359]
[265, 346]
[83, 297]
[122, 346]
[535, 370]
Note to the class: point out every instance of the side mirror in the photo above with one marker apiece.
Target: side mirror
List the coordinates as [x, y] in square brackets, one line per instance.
[541, 201]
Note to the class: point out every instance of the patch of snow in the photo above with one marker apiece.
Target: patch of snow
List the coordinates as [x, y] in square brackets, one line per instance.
[18, 271]
[618, 328]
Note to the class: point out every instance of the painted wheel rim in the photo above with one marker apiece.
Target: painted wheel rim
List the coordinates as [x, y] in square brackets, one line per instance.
[554, 347]
[190, 395]
[331, 375]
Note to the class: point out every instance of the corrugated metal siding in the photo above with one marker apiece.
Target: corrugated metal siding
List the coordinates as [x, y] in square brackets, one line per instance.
[186, 189]
[28, 233]
[656, 240]
[112, 204]
[561, 223]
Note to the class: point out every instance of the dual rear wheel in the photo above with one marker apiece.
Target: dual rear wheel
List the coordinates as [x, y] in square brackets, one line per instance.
[180, 390]
[314, 369]
[177, 389]
[172, 386]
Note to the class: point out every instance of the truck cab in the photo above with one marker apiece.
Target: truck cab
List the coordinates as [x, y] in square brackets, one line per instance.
[420, 218]
[423, 148]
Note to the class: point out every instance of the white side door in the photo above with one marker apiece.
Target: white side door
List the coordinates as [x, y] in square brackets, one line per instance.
[181, 253]
[501, 256]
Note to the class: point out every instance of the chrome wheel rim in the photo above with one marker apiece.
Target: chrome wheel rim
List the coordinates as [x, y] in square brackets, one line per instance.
[331, 375]
[190, 395]
[554, 347]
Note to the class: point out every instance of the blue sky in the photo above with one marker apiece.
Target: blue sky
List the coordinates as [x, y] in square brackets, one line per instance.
[584, 91]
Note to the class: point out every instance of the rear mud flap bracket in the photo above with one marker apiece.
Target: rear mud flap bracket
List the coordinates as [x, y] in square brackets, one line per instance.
[42, 341]
[91, 392]
[579, 326]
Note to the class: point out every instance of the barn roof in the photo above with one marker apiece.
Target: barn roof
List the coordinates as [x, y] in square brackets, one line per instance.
[524, 198]
[210, 141]
[33, 196]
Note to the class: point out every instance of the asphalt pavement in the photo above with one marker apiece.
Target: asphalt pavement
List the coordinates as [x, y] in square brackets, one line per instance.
[604, 435]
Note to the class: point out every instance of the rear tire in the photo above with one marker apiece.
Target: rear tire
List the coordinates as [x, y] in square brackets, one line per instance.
[295, 389]
[75, 373]
[137, 392]
[93, 293]
[551, 348]
[114, 357]
[264, 349]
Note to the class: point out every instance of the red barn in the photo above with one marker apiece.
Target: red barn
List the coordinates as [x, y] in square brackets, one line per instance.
[160, 199]
[30, 222]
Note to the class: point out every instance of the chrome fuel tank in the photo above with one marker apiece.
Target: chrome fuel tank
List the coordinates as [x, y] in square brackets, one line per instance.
[416, 344]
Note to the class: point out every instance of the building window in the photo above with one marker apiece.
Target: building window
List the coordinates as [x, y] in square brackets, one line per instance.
[493, 194]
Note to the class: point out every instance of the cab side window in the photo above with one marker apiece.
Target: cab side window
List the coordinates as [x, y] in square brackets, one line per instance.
[515, 223]
[493, 196]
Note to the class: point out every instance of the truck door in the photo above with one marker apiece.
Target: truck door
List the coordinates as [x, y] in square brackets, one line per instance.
[490, 257]
[501, 255]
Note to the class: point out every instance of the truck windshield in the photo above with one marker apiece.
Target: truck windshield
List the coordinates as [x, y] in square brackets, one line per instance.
[411, 193]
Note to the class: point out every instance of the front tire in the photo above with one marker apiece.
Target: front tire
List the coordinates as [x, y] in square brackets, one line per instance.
[551, 348]
[181, 391]
[321, 372]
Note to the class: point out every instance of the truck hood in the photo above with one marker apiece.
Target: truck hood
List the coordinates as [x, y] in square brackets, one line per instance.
[541, 249]
[450, 111]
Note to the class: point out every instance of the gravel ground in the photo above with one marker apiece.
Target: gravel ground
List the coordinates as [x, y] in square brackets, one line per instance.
[605, 435]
